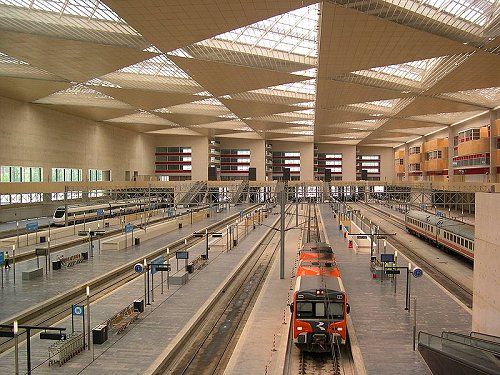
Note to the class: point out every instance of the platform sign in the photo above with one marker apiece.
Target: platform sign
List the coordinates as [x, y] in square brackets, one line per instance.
[163, 268]
[77, 310]
[138, 268]
[182, 255]
[156, 263]
[2, 258]
[386, 258]
[129, 228]
[100, 212]
[32, 227]
[417, 272]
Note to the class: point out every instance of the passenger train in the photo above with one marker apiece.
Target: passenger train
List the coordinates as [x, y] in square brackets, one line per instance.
[316, 250]
[79, 213]
[319, 308]
[443, 232]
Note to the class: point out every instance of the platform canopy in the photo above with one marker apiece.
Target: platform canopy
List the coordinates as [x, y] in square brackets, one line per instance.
[369, 72]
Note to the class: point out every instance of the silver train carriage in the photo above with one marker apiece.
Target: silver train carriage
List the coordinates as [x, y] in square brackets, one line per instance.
[443, 232]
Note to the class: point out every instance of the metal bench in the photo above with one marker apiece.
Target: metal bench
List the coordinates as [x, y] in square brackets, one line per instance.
[123, 319]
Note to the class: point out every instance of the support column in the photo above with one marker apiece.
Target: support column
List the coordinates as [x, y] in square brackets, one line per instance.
[494, 132]
[451, 151]
[406, 162]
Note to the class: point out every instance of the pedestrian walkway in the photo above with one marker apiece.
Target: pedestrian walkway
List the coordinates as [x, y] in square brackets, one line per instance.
[382, 327]
[27, 293]
[261, 348]
[133, 350]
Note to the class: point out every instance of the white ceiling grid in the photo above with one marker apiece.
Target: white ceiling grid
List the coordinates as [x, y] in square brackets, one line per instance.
[383, 72]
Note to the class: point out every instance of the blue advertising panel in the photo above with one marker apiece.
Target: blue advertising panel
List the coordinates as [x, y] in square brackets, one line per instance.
[32, 227]
[182, 255]
[155, 262]
[100, 212]
[2, 258]
[129, 228]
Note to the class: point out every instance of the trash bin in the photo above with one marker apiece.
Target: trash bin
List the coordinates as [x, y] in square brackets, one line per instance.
[100, 334]
[235, 242]
[43, 239]
[180, 225]
[56, 265]
[137, 241]
[85, 255]
[204, 257]
[139, 305]
[190, 268]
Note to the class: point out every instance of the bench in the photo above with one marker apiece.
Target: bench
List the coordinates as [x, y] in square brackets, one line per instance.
[72, 260]
[199, 262]
[32, 274]
[124, 318]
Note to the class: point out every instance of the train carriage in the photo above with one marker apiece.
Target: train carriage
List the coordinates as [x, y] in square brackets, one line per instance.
[443, 232]
[319, 310]
[316, 250]
[315, 267]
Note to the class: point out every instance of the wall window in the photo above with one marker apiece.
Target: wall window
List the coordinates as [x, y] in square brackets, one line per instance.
[286, 159]
[21, 174]
[66, 174]
[95, 175]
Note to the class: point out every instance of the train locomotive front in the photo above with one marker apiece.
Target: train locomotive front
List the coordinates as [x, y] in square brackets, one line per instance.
[319, 311]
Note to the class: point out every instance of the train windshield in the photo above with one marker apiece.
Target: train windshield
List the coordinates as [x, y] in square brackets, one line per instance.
[335, 310]
[59, 213]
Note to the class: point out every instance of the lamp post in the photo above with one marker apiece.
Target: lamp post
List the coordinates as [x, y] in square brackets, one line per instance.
[88, 315]
[16, 349]
[14, 262]
[206, 234]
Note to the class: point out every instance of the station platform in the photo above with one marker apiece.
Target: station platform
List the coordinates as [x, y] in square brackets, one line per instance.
[23, 294]
[133, 350]
[382, 328]
[262, 346]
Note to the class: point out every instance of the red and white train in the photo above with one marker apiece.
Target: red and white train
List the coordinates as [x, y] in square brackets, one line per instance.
[442, 232]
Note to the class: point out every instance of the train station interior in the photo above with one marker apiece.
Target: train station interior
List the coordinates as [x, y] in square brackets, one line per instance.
[151, 150]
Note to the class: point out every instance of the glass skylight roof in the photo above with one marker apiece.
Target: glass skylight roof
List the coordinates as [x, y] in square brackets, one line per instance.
[91, 9]
[157, 66]
[305, 87]
[413, 71]
[6, 59]
[446, 118]
[143, 117]
[83, 96]
[489, 97]
[293, 32]
[475, 11]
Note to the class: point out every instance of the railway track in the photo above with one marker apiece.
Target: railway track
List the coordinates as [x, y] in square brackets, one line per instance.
[217, 332]
[27, 255]
[447, 280]
[56, 308]
[338, 361]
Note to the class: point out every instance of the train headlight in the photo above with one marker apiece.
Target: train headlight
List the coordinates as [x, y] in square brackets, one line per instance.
[299, 328]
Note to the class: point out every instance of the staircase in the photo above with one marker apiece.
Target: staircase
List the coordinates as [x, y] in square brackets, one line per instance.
[455, 353]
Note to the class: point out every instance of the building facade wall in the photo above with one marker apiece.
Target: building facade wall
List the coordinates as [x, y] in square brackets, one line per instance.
[34, 136]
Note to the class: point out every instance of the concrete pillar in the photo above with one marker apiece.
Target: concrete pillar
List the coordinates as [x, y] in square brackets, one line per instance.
[407, 163]
[493, 146]
[451, 150]
[486, 286]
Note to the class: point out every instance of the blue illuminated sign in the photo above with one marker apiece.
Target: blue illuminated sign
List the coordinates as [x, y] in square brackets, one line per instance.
[77, 310]
[32, 227]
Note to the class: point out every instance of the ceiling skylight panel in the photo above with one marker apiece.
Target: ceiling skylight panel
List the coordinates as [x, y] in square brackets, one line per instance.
[156, 66]
[305, 87]
[284, 32]
[474, 11]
